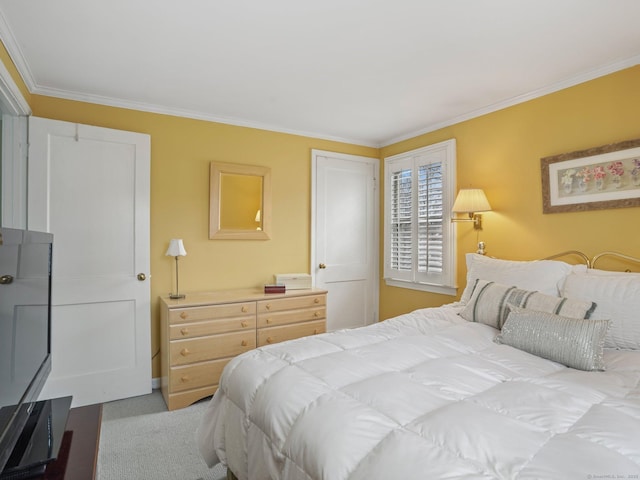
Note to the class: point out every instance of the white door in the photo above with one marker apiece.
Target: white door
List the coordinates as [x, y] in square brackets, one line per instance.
[89, 186]
[345, 237]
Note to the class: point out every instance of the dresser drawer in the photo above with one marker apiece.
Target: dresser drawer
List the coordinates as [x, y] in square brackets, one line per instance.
[197, 375]
[292, 303]
[272, 319]
[267, 336]
[211, 312]
[199, 349]
[186, 398]
[211, 327]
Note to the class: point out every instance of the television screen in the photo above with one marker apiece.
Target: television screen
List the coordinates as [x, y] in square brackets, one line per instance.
[25, 354]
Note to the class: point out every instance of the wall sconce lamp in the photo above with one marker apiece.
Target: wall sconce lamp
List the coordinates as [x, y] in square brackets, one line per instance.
[176, 249]
[471, 201]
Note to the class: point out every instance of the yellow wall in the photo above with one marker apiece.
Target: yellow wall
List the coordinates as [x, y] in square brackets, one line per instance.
[181, 150]
[500, 152]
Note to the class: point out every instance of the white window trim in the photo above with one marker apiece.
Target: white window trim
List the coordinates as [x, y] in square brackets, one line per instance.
[447, 152]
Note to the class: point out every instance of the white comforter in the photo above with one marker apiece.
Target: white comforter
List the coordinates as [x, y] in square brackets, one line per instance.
[426, 395]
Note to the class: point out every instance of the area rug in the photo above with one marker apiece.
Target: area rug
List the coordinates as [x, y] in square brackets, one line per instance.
[140, 439]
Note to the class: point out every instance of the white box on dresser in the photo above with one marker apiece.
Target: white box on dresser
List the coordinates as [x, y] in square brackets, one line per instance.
[201, 333]
[294, 281]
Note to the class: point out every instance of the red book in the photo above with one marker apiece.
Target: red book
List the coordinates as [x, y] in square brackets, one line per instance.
[275, 289]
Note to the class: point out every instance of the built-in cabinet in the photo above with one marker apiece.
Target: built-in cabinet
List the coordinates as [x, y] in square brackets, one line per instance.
[201, 333]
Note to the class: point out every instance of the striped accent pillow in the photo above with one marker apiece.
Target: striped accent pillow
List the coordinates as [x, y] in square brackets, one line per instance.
[574, 342]
[490, 302]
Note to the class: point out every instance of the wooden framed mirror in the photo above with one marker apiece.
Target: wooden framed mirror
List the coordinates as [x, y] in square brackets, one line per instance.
[239, 202]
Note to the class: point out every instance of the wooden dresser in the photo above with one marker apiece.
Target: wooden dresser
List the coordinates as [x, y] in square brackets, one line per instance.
[202, 332]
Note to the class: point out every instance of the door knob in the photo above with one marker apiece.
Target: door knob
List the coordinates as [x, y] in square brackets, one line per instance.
[322, 265]
[142, 277]
[6, 279]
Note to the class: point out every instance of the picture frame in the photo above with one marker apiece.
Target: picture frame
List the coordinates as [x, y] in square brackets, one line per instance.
[597, 178]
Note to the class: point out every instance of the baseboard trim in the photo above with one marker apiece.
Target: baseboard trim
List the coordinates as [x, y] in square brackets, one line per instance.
[155, 383]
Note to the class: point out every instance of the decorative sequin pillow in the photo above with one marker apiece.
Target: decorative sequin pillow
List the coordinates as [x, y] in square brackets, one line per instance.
[574, 342]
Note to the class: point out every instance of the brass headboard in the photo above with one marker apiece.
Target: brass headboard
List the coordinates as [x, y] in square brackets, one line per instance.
[617, 255]
[590, 263]
[569, 253]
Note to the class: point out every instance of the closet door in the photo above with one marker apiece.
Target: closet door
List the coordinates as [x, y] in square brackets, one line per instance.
[345, 237]
[89, 186]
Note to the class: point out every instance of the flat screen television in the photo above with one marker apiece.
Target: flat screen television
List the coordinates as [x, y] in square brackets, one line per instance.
[27, 440]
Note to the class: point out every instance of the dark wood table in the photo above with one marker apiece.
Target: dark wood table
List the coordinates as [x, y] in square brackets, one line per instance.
[78, 454]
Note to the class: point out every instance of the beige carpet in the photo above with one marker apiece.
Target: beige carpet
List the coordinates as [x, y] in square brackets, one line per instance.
[141, 440]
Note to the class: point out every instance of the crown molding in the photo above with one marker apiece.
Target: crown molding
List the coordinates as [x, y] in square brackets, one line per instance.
[13, 98]
[191, 114]
[10, 43]
[555, 87]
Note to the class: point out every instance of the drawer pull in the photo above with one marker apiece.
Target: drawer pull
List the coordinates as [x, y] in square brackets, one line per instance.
[184, 378]
[316, 300]
[243, 324]
[243, 343]
[184, 352]
[244, 309]
[269, 340]
[316, 314]
[184, 315]
[269, 320]
[184, 331]
[268, 306]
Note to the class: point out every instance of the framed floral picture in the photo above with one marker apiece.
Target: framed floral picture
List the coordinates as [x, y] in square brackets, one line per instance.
[592, 179]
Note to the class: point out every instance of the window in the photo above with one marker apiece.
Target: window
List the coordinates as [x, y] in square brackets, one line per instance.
[419, 241]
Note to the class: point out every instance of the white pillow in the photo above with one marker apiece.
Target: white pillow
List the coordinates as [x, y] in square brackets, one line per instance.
[544, 276]
[617, 296]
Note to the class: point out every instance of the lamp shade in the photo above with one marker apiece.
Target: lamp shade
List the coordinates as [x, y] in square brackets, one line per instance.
[176, 248]
[471, 200]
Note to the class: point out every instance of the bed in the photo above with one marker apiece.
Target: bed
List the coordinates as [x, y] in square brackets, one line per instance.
[534, 374]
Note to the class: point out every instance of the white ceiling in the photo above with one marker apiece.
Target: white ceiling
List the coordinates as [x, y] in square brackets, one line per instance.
[370, 72]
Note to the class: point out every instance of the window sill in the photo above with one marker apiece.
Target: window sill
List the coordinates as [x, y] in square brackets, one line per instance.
[424, 287]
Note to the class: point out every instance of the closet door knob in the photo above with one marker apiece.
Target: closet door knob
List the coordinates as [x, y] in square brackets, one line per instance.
[322, 266]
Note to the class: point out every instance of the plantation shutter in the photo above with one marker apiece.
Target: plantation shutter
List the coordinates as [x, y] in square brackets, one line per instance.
[430, 219]
[401, 221]
[419, 240]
